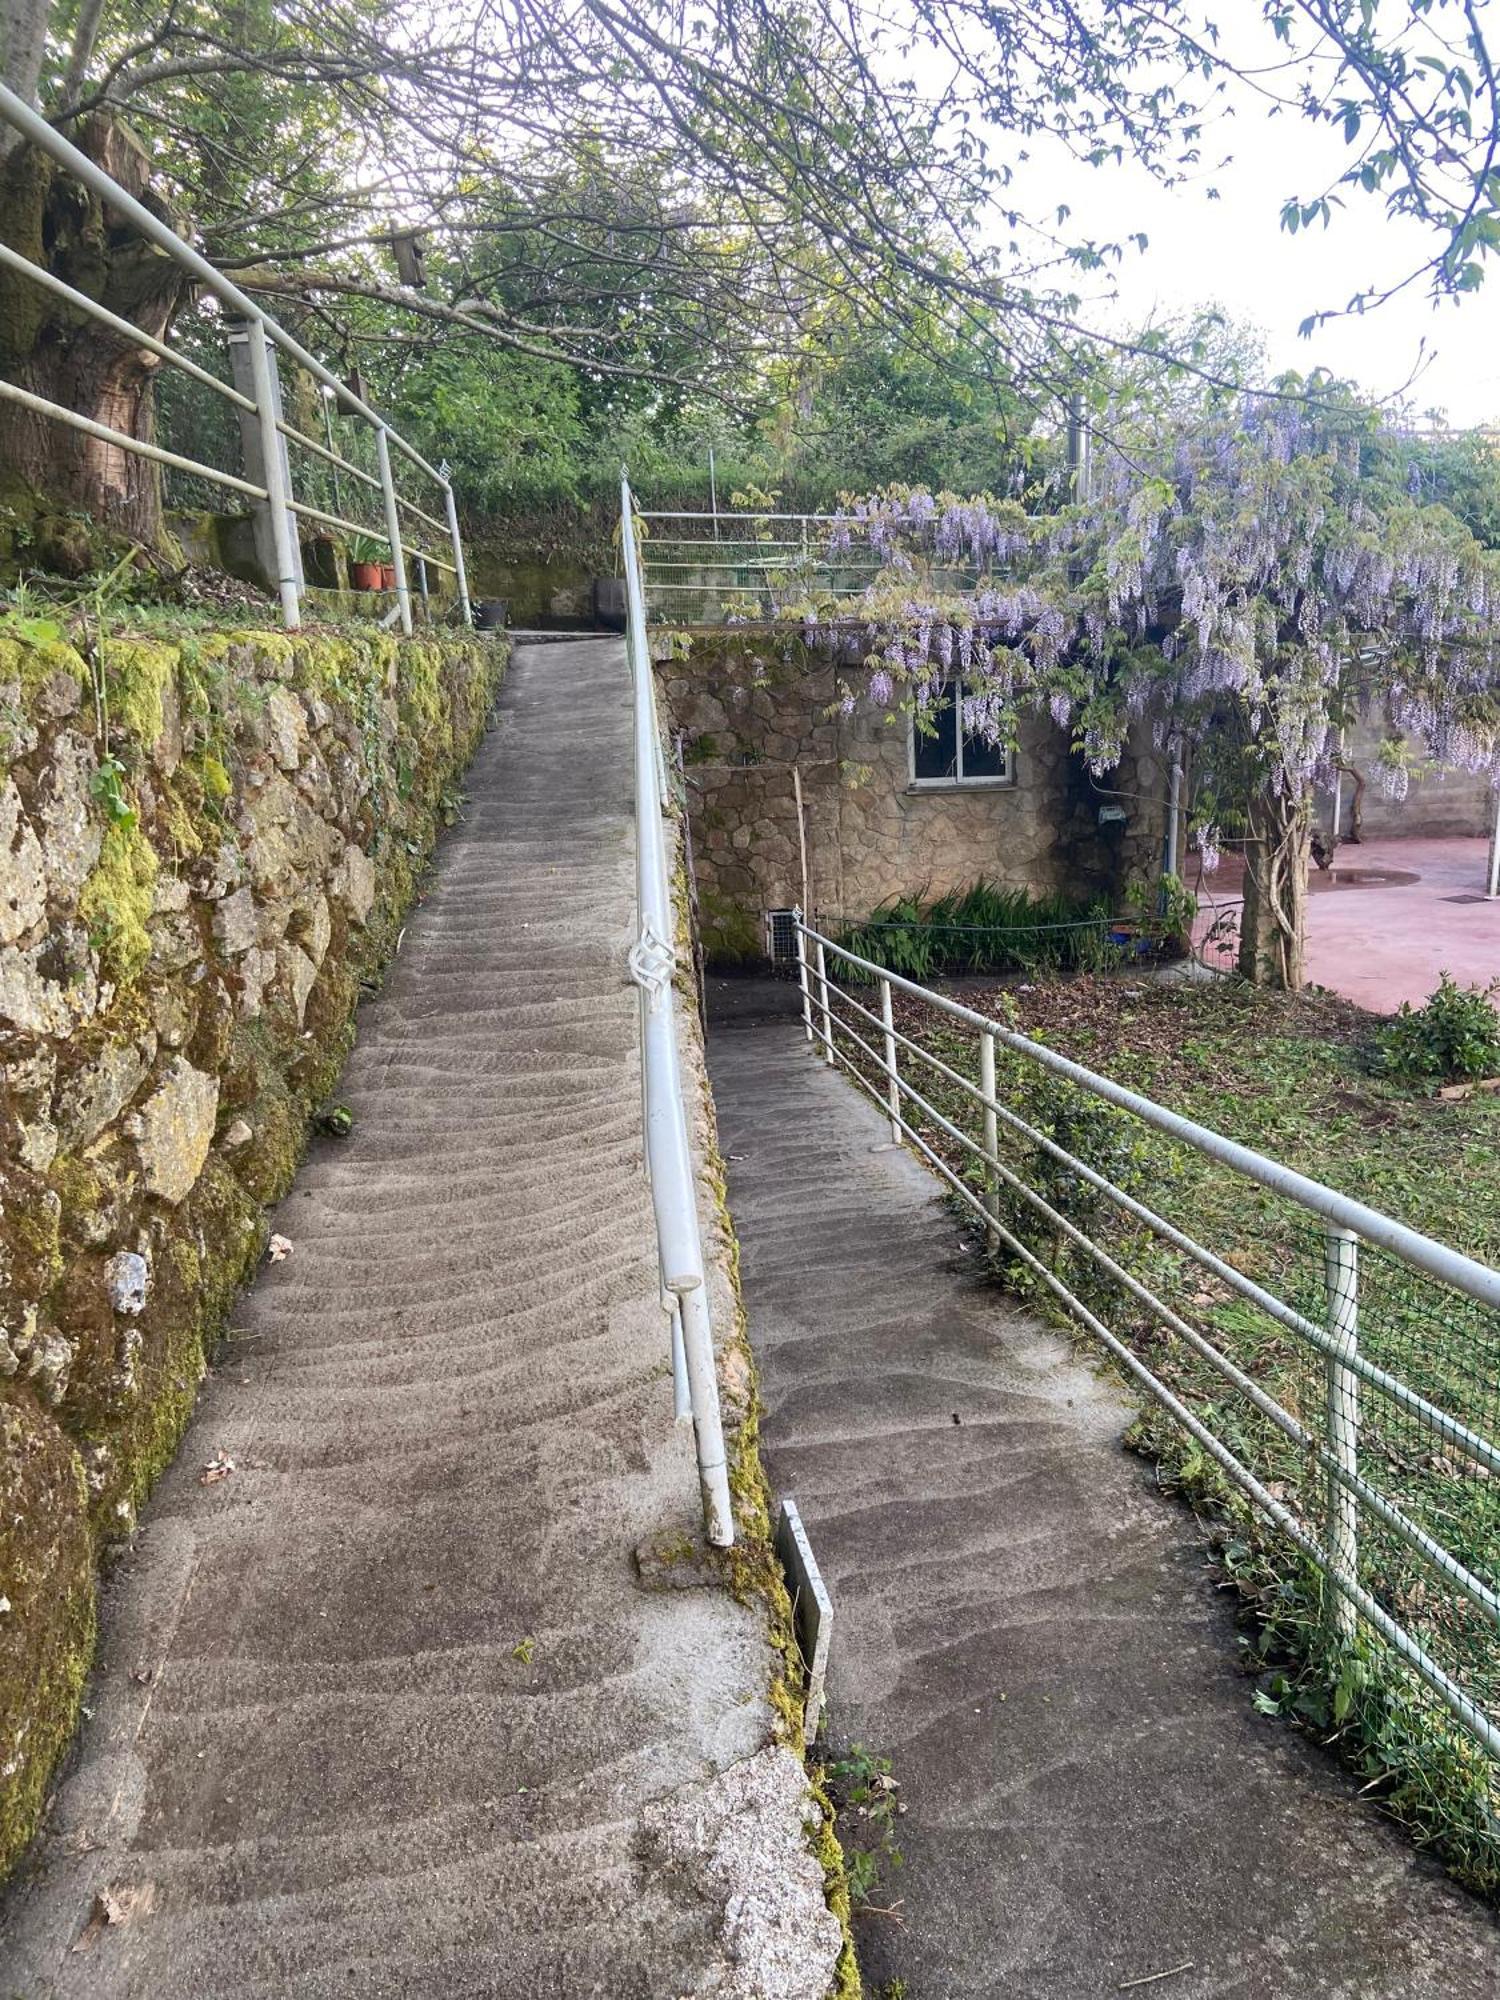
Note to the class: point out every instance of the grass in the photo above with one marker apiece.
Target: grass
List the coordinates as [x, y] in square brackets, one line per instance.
[1296, 1078]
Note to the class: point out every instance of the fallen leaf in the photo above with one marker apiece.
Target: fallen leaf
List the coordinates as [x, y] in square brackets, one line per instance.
[218, 1467]
[279, 1249]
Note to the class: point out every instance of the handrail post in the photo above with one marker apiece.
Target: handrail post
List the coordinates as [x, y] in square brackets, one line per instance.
[461, 578]
[1341, 1277]
[273, 472]
[682, 1395]
[892, 1082]
[991, 1135]
[823, 1003]
[807, 1026]
[393, 526]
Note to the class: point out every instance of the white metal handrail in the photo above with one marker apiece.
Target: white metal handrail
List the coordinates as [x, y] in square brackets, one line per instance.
[669, 1162]
[833, 1020]
[274, 490]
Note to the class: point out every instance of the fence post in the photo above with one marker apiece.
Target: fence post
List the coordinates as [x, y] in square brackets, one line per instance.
[807, 1026]
[393, 526]
[991, 1133]
[450, 507]
[892, 1085]
[823, 1004]
[266, 464]
[1341, 1277]
[682, 1395]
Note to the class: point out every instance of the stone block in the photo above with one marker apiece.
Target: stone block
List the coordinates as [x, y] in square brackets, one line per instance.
[235, 923]
[23, 879]
[354, 883]
[175, 1130]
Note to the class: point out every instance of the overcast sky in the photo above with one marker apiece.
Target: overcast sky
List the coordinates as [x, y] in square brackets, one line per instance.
[1234, 253]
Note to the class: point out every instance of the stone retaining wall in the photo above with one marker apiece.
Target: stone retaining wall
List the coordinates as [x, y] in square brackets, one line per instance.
[205, 848]
[747, 710]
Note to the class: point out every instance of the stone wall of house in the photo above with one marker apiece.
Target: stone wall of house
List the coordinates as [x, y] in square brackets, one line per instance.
[206, 844]
[1441, 804]
[746, 712]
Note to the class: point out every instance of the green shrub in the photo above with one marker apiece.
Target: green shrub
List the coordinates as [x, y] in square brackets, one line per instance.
[983, 929]
[1455, 1035]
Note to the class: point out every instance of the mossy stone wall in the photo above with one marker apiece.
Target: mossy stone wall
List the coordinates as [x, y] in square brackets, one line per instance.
[206, 846]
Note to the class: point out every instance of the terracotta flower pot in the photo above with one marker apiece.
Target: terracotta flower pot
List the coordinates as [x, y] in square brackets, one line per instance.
[387, 576]
[365, 575]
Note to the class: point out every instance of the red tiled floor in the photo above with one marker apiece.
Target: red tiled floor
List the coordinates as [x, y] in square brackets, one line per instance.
[1381, 943]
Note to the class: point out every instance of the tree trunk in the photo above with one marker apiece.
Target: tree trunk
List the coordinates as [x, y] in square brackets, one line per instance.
[1273, 924]
[23, 44]
[52, 349]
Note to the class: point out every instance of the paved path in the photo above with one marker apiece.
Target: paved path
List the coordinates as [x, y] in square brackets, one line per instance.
[1024, 1626]
[1379, 943]
[383, 1714]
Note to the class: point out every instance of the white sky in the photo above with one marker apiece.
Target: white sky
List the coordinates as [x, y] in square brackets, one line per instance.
[1233, 253]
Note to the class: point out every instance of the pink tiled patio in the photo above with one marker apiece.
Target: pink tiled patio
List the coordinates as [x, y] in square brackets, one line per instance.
[1379, 942]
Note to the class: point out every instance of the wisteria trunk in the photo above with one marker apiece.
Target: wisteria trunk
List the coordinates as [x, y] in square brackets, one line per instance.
[1273, 924]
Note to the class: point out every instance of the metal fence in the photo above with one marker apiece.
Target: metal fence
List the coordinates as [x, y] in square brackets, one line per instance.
[716, 568]
[1337, 1372]
[277, 456]
[669, 1163]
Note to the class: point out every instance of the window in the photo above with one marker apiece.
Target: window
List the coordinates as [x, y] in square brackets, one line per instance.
[945, 753]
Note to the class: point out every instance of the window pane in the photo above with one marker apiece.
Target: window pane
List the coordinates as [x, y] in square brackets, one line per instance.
[983, 759]
[936, 755]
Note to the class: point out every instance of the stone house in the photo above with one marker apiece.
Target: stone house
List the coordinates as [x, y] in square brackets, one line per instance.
[885, 810]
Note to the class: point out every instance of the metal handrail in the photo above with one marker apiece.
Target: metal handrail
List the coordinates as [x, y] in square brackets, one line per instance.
[1333, 1545]
[669, 1163]
[274, 490]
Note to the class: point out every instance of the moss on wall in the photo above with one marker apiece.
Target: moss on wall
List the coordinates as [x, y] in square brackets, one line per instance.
[195, 905]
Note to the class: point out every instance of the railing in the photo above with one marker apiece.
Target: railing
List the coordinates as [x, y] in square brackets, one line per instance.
[715, 567]
[1386, 1482]
[669, 1163]
[266, 478]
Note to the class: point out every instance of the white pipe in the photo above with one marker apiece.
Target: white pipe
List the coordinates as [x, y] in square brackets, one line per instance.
[1341, 1424]
[460, 574]
[674, 1191]
[393, 527]
[273, 469]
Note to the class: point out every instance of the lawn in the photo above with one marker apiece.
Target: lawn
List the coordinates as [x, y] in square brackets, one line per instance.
[1294, 1078]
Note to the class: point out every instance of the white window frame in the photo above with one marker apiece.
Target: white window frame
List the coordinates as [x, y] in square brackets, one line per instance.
[990, 781]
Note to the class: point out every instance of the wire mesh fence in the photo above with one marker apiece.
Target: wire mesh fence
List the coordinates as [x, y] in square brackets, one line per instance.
[1321, 1381]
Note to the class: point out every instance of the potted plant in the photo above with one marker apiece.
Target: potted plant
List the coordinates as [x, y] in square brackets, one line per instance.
[365, 554]
[387, 576]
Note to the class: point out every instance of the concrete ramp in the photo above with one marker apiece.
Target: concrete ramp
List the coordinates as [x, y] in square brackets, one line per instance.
[1022, 1624]
[384, 1712]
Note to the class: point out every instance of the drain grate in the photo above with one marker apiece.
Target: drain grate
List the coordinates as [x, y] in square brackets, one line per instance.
[1466, 899]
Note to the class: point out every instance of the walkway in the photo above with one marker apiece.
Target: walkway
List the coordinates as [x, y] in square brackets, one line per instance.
[384, 1714]
[1022, 1624]
[1379, 943]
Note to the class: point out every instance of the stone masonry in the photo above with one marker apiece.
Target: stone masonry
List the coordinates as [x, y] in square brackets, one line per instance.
[747, 711]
